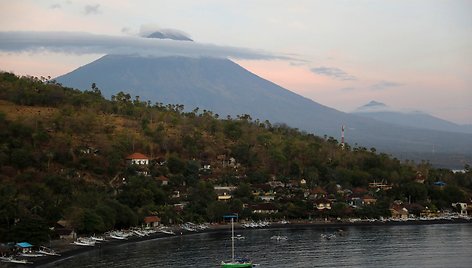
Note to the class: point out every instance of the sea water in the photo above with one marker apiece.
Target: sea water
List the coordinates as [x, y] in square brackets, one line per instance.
[442, 245]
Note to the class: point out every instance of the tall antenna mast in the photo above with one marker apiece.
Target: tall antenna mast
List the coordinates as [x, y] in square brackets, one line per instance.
[342, 136]
[232, 239]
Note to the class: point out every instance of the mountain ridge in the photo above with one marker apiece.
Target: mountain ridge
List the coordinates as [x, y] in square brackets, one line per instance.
[417, 119]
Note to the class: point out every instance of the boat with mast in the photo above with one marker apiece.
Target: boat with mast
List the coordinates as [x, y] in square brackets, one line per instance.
[234, 263]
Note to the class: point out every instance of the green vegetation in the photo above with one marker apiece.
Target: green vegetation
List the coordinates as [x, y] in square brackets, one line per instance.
[63, 151]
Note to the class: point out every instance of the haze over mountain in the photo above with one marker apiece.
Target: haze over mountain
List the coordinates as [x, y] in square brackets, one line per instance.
[417, 119]
[222, 86]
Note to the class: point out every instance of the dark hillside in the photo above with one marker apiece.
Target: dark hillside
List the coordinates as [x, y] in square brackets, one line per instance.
[63, 156]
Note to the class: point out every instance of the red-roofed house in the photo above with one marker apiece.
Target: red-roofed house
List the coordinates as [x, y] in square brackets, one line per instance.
[317, 193]
[164, 180]
[369, 200]
[137, 159]
[152, 221]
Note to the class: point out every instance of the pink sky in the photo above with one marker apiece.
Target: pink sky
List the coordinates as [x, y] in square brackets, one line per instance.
[410, 55]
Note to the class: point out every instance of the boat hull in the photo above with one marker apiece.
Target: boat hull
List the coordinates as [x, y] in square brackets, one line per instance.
[235, 264]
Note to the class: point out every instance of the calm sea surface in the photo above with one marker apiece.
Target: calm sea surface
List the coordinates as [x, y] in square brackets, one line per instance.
[373, 246]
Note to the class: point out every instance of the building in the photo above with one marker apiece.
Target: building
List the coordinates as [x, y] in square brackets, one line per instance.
[151, 221]
[265, 208]
[322, 204]
[368, 200]
[224, 193]
[137, 159]
[399, 212]
[164, 180]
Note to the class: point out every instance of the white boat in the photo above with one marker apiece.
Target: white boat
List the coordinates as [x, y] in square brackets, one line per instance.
[97, 238]
[139, 233]
[48, 251]
[166, 231]
[30, 254]
[202, 226]
[118, 236]
[239, 237]
[189, 227]
[13, 260]
[241, 263]
[84, 242]
[328, 236]
[279, 237]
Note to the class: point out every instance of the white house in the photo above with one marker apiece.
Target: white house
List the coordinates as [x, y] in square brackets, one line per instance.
[137, 159]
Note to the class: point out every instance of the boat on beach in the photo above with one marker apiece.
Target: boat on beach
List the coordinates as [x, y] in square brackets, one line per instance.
[97, 238]
[84, 242]
[166, 231]
[119, 235]
[13, 260]
[30, 254]
[48, 251]
[235, 263]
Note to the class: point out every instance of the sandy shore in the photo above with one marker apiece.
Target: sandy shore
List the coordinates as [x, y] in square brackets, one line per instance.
[68, 250]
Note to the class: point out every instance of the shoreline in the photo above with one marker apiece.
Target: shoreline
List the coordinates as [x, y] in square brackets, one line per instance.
[69, 253]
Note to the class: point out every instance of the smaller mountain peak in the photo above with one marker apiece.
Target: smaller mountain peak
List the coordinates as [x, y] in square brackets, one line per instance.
[372, 106]
[169, 34]
[375, 104]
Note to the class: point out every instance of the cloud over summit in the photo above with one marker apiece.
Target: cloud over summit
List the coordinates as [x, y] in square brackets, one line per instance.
[87, 43]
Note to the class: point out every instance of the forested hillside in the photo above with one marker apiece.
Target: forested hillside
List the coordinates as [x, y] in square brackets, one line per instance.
[63, 157]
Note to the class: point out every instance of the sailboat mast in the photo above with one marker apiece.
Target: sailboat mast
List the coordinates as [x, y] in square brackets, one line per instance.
[232, 239]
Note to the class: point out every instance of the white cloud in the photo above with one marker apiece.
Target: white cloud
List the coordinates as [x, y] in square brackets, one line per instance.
[384, 85]
[92, 9]
[333, 72]
[87, 43]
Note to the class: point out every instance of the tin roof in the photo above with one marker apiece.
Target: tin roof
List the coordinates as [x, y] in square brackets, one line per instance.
[24, 245]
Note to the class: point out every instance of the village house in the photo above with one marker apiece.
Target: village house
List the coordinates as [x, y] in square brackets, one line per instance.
[419, 178]
[317, 193]
[224, 161]
[137, 159]
[260, 189]
[88, 150]
[460, 207]
[399, 211]
[428, 213]
[368, 200]
[163, 180]
[380, 186]
[140, 161]
[224, 193]
[264, 208]
[161, 161]
[354, 201]
[275, 184]
[267, 196]
[206, 166]
[61, 229]
[151, 221]
[322, 204]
